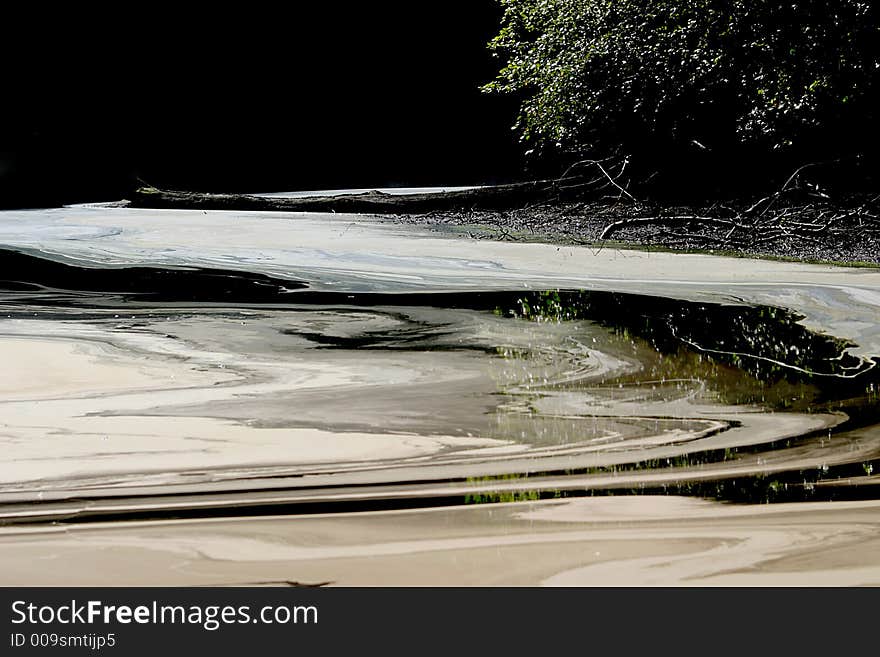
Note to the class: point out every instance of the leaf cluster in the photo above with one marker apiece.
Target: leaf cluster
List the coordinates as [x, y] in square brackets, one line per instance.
[599, 77]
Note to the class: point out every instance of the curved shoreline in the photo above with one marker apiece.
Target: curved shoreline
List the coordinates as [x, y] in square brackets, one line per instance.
[327, 367]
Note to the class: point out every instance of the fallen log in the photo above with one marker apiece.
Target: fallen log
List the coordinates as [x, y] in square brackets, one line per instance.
[493, 198]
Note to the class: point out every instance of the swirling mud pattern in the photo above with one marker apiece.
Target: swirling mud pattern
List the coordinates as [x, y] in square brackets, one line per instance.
[252, 419]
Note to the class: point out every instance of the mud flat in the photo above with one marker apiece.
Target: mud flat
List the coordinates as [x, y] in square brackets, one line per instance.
[230, 398]
[612, 541]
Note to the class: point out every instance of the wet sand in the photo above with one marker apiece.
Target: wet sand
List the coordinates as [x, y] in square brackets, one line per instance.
[617, 541]
[201, 400]
[119, 412]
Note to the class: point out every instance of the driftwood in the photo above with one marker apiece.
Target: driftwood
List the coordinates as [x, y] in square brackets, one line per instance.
[491, 198]
[798, 220]
[627, 222]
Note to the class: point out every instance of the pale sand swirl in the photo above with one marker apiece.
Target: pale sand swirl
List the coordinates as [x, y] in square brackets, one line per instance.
[595, 542]
[276, 406]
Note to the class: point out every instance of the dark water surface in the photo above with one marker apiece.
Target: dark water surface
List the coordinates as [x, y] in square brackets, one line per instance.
[205, 391]
[246, 398]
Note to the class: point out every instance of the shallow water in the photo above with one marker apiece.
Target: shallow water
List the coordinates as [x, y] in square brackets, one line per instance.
[208, 365]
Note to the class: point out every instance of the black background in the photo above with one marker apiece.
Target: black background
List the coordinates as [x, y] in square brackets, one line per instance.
[250, 98]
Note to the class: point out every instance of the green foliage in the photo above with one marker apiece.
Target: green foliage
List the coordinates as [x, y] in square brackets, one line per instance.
[502, 496]
[632, 76]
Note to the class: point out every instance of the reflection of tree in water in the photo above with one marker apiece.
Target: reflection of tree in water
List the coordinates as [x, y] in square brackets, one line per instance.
[742, 354]
[737, 355]
[717, 343]
[745, 354]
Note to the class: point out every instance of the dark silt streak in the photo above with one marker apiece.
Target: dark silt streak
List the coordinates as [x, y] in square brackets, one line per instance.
[22, 272]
